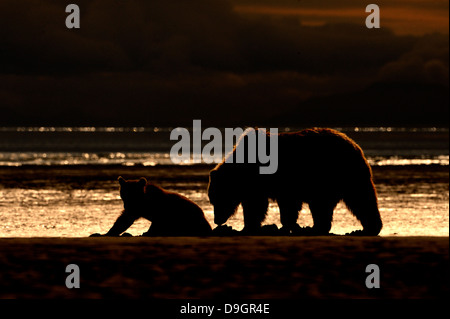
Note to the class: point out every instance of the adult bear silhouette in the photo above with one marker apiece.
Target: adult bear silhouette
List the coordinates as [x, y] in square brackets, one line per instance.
[318, 166]
[171, 214]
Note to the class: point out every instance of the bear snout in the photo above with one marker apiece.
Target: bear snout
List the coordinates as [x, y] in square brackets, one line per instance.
[218, 219]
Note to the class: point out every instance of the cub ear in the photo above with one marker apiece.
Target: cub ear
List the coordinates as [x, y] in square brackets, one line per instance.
[143, 181]
[121, 180]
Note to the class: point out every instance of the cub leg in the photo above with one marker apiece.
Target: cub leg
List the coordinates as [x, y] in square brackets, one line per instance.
[123, 222]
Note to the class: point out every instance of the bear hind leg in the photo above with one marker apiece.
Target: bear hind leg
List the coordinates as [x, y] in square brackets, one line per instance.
[363, 205]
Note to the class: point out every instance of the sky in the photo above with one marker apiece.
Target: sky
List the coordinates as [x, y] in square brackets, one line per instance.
[226, 62]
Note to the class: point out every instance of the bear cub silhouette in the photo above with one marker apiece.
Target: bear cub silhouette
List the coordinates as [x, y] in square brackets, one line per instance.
[171, 214]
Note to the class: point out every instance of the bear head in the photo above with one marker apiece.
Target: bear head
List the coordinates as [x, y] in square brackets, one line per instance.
[223, 195]
[132, 193]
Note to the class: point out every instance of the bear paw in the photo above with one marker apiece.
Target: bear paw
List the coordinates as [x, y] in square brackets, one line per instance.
[96, 235]
[126, 235]
[309, 231]
[357, 233]
[270, 230]
[224, 230]
[266, 230]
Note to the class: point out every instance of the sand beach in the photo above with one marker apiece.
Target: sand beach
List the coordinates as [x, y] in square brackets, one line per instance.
[225, 267]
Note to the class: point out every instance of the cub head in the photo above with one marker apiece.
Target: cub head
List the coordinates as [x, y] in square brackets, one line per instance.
[223, 196]
[132, 193]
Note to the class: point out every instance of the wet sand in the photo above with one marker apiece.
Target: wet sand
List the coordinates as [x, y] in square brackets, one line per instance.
[232, 268]
[76, 201]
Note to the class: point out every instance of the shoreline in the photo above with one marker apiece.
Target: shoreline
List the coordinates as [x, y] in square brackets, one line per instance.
[238, 267]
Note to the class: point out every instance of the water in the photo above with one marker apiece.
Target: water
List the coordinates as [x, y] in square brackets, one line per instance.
[151, 146]
[62, 181]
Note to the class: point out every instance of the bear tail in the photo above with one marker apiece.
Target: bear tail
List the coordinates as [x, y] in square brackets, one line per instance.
[361, 200]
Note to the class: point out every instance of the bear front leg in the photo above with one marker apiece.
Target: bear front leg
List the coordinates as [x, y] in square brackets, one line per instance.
[255, 211]
[123, 222]
[289, 215]
[148, 233]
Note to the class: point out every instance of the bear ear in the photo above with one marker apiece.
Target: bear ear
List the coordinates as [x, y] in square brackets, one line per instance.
[121, 180]
[142, 181]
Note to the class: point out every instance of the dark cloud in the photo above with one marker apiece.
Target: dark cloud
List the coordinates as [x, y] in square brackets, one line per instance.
[427, 61]
[144, 62]
[345, 4]
[182, 37]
